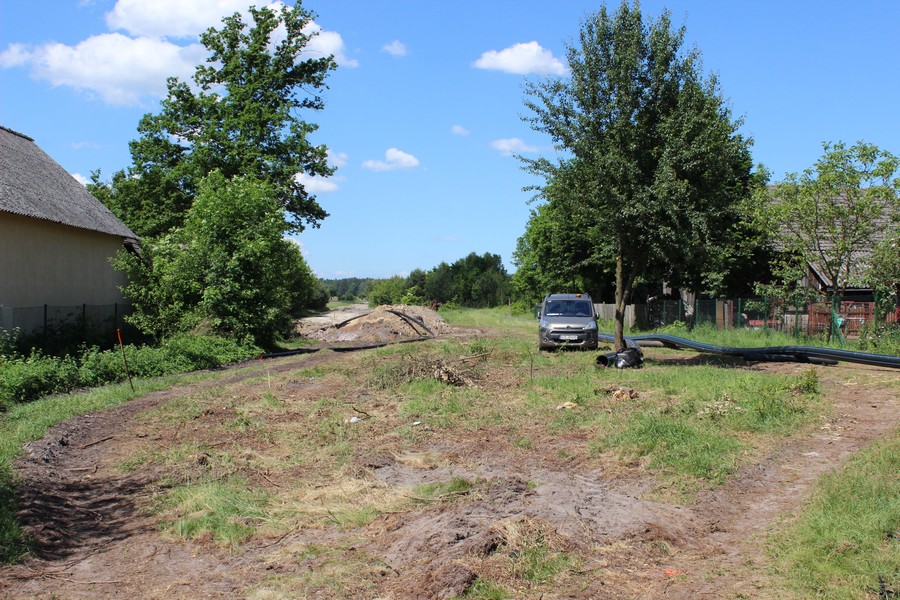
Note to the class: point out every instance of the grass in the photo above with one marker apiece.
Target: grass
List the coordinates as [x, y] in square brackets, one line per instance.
[844, 543]
[26, 422]
[485, 589]
[498, 318]
[680, 446]
[694, 423]
[281, 454]
[441, 489]
[224, 510]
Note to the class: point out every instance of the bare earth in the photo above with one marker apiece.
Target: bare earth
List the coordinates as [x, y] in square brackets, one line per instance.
[94, 538]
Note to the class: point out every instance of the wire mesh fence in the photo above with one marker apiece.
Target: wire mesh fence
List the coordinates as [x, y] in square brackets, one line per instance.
[56, 329]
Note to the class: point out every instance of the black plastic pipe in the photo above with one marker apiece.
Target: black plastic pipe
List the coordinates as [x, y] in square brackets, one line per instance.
[804, 354]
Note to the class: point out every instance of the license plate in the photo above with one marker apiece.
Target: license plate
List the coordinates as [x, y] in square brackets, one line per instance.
[568, 337]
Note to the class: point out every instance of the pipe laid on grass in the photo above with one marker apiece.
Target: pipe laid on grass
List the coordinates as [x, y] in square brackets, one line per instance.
[803, 354]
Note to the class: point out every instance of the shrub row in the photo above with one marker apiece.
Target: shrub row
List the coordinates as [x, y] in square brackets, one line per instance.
[27, 378]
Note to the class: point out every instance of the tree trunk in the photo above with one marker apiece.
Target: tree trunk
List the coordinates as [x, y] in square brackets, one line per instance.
[621, 298]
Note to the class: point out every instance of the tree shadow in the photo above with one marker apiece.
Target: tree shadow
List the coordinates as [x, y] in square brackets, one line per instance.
[62, 516]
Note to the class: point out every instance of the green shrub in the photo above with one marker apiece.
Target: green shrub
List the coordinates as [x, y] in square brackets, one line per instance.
[9, 341]
[26, 379]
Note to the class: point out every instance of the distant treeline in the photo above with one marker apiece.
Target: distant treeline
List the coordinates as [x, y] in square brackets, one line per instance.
[474, 281]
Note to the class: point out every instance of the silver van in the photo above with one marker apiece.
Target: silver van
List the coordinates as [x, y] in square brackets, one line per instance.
[567, 321]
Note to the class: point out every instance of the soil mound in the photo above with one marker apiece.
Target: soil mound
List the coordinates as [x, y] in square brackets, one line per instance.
[384, 323]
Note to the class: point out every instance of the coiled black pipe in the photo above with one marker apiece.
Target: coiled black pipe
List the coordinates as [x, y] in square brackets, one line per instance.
[803, 354]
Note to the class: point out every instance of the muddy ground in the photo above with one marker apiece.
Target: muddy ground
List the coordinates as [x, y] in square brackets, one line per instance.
[94, 538]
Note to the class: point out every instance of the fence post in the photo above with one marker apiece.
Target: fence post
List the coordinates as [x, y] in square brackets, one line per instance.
[766, 315]
[875, 308]
[740, 312]
[797, 319]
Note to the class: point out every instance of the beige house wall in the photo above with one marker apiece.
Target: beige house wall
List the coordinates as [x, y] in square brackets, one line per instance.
[47, 263]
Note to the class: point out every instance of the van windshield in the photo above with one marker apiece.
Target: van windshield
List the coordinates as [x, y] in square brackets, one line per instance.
[569, 308]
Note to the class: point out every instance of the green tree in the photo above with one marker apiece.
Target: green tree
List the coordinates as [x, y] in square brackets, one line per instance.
[883, 272]
[828, 215]
[306, 290]
[228, 269]
[652, 163]
[556, 254]
[479, 281]
[439, 284]
[387, 291]
[242, 116]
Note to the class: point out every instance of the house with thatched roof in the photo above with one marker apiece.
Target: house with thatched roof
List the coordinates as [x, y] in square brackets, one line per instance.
[56, 238]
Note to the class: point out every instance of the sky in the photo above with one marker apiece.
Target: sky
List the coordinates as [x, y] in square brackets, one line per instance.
[424, 115]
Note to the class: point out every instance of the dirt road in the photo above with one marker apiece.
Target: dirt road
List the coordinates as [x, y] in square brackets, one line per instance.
[96, 537]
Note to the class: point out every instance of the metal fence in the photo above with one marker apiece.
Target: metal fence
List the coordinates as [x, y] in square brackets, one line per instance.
[61, 328]
[759, 313]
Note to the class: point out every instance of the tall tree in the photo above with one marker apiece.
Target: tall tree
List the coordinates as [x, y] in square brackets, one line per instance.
[228, 269]
[243, 116]
[833, 213]
[652, 160]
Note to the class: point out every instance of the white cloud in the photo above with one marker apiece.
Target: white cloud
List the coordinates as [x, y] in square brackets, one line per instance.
[126, 69]
[395, 48]
[394, 159]
[510, 146]
[316, 184]
[81, 178]
[299, 244]
[337, 159]
[15, 55]
[171, 18]
[459, 130]
[326, 43]
[119, 69]
[522, 59]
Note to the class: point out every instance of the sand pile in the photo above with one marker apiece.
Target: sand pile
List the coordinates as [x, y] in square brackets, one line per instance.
[383, 324]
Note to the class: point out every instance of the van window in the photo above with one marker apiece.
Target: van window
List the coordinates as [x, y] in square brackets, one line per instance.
[569, 308]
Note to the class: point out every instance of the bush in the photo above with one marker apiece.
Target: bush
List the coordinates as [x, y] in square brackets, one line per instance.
[880, 338]
[27, 379]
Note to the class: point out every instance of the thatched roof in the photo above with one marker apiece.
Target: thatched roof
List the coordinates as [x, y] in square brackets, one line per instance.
[34, 185]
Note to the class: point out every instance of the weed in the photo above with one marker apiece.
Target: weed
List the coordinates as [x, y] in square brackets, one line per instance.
[224, 510]
[354, 517]
[809, 382]
[442, 489]
[523, 443]
[535, 554]
[485, 589]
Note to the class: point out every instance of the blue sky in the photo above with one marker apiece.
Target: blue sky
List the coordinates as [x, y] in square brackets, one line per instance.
[425, 110]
